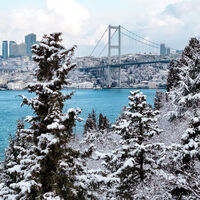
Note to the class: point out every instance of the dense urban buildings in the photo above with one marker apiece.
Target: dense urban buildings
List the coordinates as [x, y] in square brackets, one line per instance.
[17, 72]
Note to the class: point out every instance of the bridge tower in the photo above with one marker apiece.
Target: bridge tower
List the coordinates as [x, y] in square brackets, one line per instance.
[110, 47]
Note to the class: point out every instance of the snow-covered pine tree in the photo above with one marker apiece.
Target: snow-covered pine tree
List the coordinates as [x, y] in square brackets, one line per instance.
[46, 167]
[93, 114]
[135, 158]
[191, 141]
[160, 99]
[93, 131]
[184, 76]
[106, 124]
[183, 101]
[185, 163]
[173, 75]
[12, 172]
[90, 124]
[17, 144]
[103, 122]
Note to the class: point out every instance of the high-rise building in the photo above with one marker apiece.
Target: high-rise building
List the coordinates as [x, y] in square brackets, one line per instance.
[168, 51]
[11, 52]
[5, 49]
[162, 49]
[30, 39]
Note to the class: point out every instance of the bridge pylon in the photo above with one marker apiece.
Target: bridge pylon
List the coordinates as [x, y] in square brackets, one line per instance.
[110, 47]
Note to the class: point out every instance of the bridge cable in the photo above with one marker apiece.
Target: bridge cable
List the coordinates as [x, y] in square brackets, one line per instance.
[98, 42]
[107, 44]
[154, 43]
[140, 41]
[144, 38]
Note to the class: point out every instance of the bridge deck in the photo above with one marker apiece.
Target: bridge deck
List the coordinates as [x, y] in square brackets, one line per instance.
[124, 64]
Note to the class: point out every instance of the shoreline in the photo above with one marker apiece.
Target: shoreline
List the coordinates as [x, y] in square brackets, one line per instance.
[72, 88]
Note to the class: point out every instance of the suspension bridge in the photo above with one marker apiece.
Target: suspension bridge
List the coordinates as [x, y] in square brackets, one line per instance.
[117, 36]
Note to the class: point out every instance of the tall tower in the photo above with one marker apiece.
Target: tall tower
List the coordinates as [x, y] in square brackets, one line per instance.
[162, 49]
[5, 49]
[110, 47]
[168, 51]
[11, 48]
[30, 39]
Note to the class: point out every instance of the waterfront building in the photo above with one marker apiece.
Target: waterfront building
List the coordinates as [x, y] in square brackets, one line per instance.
[18, 85]
[3, 80]
[162, 49]
[152, 85]
[5, 49]
[30, 39]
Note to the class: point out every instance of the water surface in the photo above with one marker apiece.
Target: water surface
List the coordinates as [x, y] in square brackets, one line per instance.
[109, 102]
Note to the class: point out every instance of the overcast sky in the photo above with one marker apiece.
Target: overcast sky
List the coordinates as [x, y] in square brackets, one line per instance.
[83, 21]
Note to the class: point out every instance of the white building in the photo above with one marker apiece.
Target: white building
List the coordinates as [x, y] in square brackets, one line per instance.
[19, 85]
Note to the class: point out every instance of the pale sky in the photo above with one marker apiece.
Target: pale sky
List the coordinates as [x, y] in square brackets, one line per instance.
[83, 21]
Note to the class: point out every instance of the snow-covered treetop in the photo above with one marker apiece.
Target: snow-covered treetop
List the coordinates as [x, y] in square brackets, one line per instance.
[184, 76]
[49, 52]
[54, 63]
[191, 138]
[139, 119]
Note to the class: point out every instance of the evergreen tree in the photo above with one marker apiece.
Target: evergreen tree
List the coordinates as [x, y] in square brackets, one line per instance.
[173, 75]
[135, 157]
[185, 163]
[191, 141]
[17, 145]
[103, 122]
[160, 99]
[45, 166]
[184, 100]
[106, 124]
[184, 76]
[100, 125]
[93, 114]
[90, 124]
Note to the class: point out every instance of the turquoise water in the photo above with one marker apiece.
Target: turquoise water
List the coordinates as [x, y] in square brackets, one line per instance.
[109, 102]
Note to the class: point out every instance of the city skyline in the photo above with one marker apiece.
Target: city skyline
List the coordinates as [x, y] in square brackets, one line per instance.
[17, 50]
[11, 49]
[82, 22]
